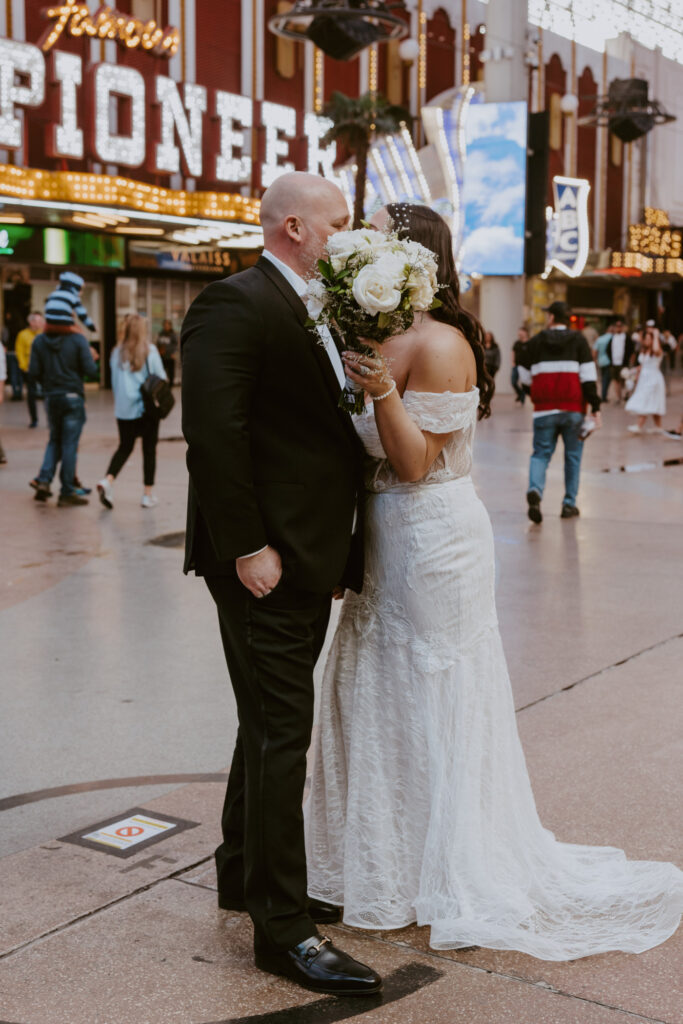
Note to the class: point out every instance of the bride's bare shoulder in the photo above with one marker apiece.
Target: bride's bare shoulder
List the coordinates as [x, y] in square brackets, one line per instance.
[441, 359]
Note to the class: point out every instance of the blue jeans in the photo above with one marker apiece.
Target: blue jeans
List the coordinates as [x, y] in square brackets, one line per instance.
[14, 377]
[547, 429]
[605, 378]
[516, 386]
[66, 416]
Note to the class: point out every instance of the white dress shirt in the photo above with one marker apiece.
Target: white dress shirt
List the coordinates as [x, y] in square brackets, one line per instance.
[300, 287]
[618, 348]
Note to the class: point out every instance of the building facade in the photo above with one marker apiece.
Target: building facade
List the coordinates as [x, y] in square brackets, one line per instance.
[136, 141]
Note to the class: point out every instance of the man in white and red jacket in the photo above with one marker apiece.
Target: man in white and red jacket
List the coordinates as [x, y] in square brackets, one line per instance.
[557, 367]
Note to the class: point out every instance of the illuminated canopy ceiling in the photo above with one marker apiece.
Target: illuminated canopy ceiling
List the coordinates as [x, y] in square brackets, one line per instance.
[591, 22]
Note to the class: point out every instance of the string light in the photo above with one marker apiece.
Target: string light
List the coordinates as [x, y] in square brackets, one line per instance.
[422, 56]
[231, 109]
[27, 62]
[318, 72]
[67, 137]
[99, 189]
[466, 53]
[186, 119]
[74, 18]
[276, 120]
[114, 80]
[372, 69]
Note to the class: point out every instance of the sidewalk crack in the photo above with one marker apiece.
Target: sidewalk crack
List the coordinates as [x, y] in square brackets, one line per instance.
[600, 671]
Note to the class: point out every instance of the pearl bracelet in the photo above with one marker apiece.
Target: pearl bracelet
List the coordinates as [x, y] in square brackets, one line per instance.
[380, 398]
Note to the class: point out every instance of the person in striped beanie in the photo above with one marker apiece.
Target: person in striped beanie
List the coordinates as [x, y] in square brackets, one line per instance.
[65, 301]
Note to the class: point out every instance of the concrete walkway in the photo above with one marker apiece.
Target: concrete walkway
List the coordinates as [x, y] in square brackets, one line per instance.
[116, 704]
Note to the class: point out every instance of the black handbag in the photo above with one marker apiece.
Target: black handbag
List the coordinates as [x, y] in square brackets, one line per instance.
[156, 395]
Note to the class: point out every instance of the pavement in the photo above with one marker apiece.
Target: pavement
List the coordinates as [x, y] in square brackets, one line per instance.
[118, 720]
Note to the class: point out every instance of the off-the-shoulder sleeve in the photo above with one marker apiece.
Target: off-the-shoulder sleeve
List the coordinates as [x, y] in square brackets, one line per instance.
[442, 413]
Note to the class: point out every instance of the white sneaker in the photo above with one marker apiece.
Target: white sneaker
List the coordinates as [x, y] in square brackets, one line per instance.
[149, 501]
[106, 493]
[635, 429]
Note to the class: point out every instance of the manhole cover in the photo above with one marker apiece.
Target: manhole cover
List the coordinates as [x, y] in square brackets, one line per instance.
[169, 540]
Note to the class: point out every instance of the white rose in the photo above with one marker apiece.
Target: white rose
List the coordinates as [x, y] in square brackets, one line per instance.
[376, 288]
[421, 293]
[347, 245]
[315, 298]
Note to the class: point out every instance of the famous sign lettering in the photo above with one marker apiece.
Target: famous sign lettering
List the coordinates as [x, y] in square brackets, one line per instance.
[568, 226]
[75, 19]
[107, 112]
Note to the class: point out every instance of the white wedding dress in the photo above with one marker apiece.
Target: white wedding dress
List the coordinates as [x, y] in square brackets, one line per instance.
[421, 807]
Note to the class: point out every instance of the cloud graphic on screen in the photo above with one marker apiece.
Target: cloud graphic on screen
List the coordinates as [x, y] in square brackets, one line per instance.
[494, 120]
[493, 250]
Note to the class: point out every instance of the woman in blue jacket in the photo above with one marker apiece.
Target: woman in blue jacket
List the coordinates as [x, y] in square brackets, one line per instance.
[132, 361]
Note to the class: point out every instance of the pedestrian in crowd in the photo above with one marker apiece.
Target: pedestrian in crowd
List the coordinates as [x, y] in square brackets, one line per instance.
[3, 378]
[620, 351]
[60, 359]
[517, 349]
[491, 353]
[65, 302]
[602, 359]
[558, 367]
[16, 299]
[669, 348]
[132, 361]
[167, 343]
[25, 339]
[590, 334]
[649, 397]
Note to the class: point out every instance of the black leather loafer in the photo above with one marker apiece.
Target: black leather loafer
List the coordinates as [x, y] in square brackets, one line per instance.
[321, 913]
[317, 965]
[569, 511]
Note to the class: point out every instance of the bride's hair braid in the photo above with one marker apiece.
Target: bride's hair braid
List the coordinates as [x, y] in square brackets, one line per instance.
[423, 225]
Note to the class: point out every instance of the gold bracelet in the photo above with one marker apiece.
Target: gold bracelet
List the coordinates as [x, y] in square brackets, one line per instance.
[380, 398]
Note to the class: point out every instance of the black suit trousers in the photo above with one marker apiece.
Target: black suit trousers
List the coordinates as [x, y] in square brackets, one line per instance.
[271, 646]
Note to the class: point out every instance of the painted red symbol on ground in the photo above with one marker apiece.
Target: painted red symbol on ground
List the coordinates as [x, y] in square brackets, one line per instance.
[129, 830]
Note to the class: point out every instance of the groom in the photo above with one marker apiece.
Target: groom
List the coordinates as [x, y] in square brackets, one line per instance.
[275, 476]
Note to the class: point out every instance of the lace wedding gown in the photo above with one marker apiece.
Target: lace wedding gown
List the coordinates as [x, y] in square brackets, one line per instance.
[421, 807]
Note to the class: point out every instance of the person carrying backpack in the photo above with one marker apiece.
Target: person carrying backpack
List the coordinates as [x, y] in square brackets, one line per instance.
[132, 362]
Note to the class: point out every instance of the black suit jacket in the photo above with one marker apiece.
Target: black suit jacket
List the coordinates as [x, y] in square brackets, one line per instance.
[271, 457]
[629, 350]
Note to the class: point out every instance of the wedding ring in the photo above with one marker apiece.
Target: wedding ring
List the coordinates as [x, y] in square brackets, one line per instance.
[365, 370]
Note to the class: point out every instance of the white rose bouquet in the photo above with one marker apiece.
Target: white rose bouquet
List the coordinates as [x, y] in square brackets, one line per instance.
[370, 287]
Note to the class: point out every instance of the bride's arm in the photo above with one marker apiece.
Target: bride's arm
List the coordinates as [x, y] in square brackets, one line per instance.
[436, 368]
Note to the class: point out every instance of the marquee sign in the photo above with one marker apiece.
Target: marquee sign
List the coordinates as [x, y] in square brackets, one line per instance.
[74, 18]
[654, 247]
[108, 113]
[567, 248]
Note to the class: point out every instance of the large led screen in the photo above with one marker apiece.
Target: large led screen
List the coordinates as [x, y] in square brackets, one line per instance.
[494, 188]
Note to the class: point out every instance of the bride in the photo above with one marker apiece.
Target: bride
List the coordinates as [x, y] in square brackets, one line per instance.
[421, 809]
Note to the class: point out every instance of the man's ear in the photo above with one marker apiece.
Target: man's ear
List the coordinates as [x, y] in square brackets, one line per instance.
[293, 228]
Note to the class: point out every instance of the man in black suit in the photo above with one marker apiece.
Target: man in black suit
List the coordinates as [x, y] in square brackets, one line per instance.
[275, 482]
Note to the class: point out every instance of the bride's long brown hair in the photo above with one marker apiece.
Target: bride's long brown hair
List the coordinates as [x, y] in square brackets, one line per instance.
[423, 225]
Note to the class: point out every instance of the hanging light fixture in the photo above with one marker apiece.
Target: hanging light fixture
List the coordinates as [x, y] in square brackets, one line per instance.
[627, 110]
[340, 28]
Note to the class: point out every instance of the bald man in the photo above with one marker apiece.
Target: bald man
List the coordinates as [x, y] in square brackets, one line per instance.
[275, 480]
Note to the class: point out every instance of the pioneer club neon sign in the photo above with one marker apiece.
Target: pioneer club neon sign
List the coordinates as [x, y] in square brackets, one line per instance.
[74, 18]
[108, 113]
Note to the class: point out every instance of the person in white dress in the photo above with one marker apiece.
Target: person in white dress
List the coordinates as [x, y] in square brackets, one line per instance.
[649, 395]
[421, 808]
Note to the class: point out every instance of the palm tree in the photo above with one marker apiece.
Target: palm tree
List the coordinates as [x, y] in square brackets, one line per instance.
[355, 121]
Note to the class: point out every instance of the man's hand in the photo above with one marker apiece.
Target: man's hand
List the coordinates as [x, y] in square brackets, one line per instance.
[94, 353]
[260, 573]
